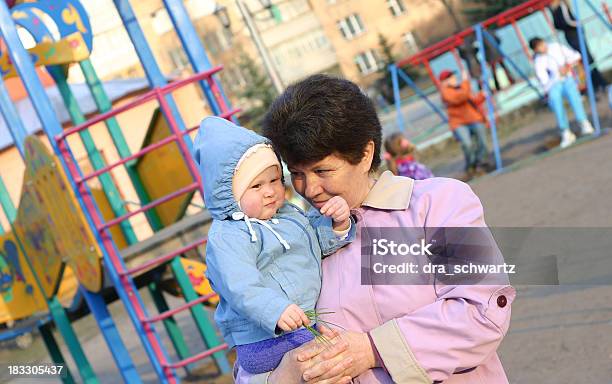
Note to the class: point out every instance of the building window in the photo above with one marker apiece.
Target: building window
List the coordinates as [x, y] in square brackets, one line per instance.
[410, 43]
[367, 62]
[396, 7]
[179, 58]
[351, 26]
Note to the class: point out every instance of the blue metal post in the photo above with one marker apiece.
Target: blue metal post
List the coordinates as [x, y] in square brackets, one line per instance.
[485, 86]
[192, 45]
[152, 70]
[423, 96]
[587, 70]
[122, 358]
[51, 126]
[11, 118]
[396, 96]
[491, 40]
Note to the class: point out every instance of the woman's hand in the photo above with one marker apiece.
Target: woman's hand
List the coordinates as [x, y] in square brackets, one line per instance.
[330, 361]
[359, 351]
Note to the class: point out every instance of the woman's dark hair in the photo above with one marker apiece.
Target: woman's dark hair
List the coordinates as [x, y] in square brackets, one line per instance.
[533, 43]
[323, 115]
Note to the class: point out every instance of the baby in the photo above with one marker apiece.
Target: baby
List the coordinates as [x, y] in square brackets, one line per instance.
[263, 254]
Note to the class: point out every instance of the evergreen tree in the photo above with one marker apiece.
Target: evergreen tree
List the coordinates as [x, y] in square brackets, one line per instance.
[384, 84]
[258, 90]
[479, 10]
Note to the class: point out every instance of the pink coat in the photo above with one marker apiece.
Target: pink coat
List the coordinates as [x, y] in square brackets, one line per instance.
[423, 335]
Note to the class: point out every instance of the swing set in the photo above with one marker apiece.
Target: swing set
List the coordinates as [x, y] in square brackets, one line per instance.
[485, 39]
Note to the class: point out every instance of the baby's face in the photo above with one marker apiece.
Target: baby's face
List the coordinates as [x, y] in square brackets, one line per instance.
[265, 194]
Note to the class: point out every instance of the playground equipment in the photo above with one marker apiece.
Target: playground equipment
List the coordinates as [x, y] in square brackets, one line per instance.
[100, 221]
[511, 23]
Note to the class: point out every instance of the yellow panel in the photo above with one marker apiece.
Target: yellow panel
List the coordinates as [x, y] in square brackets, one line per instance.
[51, 224]
[163, 171]
[19, 295]
[68, 287]
[70, 49]
[196, 272]
[107, 213]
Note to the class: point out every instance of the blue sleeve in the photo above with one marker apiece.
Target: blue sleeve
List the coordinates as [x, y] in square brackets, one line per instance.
[231, 261]
[328, 240]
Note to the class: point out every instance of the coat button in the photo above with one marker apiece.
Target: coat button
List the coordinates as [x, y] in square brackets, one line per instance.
[502, 301]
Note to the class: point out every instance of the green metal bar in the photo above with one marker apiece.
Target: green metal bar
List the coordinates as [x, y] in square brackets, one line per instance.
[104, 104]
[170, 323]
[206, 329]
[7, 203]
[63, 325]
[55, 352]
[77, 117]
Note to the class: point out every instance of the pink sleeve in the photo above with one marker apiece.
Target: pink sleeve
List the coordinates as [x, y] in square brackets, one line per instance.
[465, 324]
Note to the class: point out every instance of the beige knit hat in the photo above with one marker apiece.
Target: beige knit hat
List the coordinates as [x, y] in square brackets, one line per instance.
[254, 161]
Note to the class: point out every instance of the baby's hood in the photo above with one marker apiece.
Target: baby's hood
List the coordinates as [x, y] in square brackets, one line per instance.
[218, 147]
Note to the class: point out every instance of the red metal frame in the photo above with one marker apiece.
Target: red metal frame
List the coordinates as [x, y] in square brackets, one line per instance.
[457, 39]
[606, 10]
[159, 94]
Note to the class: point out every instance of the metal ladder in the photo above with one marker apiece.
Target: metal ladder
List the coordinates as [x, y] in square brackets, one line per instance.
[119, 274]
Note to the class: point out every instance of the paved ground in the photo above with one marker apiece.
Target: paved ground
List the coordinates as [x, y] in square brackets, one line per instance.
[558, 334]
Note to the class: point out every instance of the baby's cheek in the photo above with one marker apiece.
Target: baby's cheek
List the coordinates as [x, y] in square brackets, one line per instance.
[250, 207]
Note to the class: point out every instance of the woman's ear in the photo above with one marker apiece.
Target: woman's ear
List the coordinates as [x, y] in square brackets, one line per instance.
[368, 156]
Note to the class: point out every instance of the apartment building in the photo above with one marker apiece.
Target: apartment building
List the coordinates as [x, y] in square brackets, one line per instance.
[354, 26]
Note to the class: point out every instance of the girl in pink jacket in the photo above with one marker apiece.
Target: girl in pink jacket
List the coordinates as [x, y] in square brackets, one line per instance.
[327, 131]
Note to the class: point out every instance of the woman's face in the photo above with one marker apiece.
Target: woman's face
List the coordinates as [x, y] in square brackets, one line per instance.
[334, 176]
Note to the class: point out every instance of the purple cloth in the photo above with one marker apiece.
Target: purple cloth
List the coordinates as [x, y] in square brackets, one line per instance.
[264, 356]
[414, 170]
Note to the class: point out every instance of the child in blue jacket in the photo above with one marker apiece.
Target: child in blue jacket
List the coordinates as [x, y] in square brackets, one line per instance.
[263, 254]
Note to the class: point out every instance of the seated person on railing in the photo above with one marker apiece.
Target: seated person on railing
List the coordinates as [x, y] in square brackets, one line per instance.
[553, 64]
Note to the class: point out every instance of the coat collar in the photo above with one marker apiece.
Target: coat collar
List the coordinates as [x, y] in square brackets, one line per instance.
[390, 192]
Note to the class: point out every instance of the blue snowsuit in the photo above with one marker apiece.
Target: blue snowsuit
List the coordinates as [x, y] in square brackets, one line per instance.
[258, 267]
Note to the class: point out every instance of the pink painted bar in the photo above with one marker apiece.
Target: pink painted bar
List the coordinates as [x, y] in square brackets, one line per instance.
[143, 151]
[138, 101]
[113, 258]
[225, 116]
[189, 188]
[217, 93]
[163, 259]
[197, 357]
[193, 78]
[195, 175]
[178, 309]
[107, 115]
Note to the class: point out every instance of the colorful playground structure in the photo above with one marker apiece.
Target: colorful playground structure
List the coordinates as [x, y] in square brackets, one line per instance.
[71, 242]
[507, 34]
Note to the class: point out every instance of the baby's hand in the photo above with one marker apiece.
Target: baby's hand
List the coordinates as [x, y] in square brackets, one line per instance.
[337, 208]
[292, 318]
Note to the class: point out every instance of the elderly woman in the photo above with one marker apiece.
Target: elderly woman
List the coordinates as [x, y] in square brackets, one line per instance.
[328, 132]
